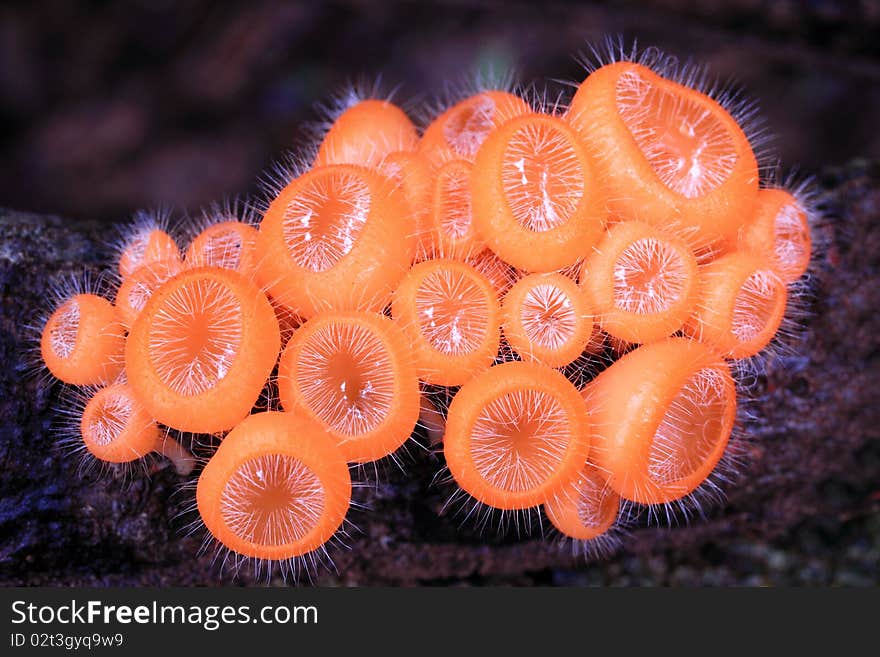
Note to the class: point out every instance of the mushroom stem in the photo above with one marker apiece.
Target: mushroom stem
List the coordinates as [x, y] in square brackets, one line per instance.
[180, 457]
[432, 420]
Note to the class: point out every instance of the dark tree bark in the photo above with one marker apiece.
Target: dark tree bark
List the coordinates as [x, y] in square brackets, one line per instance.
[804, 507]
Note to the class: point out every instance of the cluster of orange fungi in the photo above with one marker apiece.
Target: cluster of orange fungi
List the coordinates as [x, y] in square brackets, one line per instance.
[576, 282]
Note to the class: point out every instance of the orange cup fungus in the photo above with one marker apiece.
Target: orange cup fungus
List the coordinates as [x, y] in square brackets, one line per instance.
[458, 132]
[365, 133]
[337, 237]
[451, 229]
[412, 173]
[661, 439]
[116, 428]
[741, 304]
[225, 244]
[641, 281]
[83, 341]
[352, 372]
[780, 231]
[516, 435]
[668, 154]
[587, 509]
[277, 488]
[514, 252]
[451, 316]
[537, 201]
[201, 350]
[146, 245]
[547, 319]
[136, 289]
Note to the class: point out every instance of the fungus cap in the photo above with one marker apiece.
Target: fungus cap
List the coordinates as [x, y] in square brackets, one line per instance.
[516, 434]
[277, 488]
[82, 342]
[336, 238]
[668, 155]
[352, 373]
[202, 349]
[662, 416]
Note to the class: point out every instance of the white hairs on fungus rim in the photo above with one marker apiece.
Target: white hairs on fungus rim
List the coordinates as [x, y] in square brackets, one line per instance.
[456, 215]
[324, 220]
[451, 312]
[195, 336]
[223, 249]
[519, 419]
[346, 376]
[142, 289]
[649, 277]
[64, 331]
[690, 428]
[467, 127]
[272, 499]
[590, 503]
[110, 420]
[693, 160]
[548, 316]
[788, 236]
[138, 295]
[494, 269]
[542, 177]
[755, 304]
[138, 245]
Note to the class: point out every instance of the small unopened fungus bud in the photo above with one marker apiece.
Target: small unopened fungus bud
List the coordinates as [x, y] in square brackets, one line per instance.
[365, 133]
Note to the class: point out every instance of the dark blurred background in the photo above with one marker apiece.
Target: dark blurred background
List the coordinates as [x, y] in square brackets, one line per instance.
[108, 107]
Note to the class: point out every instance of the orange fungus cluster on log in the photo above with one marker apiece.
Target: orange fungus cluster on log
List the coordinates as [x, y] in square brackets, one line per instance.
[576, 286]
